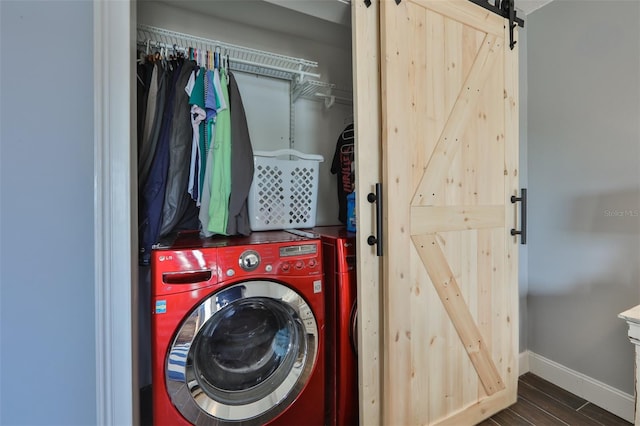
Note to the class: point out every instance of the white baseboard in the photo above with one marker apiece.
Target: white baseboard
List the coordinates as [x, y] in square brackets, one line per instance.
[611, 399]
[523, 363]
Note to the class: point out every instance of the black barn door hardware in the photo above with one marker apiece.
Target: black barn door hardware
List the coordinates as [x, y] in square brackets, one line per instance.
[372, 239]
[506, 9]
[510, 9]
[522, 199]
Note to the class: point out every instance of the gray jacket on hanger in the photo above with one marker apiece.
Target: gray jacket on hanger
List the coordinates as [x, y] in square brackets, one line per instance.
[241, 164]
[177, 200]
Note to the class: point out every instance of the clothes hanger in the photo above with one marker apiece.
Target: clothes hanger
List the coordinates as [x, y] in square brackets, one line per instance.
[347, 148]
[348, 134]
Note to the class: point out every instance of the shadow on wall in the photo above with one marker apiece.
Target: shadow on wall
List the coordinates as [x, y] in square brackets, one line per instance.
[611, 213]
[575, 311]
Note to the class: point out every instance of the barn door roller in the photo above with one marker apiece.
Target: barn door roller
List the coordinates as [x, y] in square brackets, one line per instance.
[506, 9]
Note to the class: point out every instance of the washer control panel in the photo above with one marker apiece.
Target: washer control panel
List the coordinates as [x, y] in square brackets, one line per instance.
[291, 259]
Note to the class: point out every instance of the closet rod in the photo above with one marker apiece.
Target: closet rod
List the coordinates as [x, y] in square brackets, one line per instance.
[279, 66]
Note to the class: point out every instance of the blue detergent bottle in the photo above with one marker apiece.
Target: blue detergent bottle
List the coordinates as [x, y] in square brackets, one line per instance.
[351, 212]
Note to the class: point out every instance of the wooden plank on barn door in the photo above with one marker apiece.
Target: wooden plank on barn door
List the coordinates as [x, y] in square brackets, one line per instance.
[449, 155]
[366, 84]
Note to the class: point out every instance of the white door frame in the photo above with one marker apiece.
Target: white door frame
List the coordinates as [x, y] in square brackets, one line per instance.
[115, 211]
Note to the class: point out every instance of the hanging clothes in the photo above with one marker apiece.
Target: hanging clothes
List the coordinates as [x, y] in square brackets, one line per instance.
[151, 104]
[195, 163]
[221, 167]
[241, 164]
[151, 131]
[152, 198]
[144, 71]
[176, 200]
[196, 91]
[214, 103]
[343, 166]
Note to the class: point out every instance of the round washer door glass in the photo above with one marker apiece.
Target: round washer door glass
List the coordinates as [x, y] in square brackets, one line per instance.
[242, 355]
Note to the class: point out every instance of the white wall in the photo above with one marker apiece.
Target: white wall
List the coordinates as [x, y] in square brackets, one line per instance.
[266, 100]
[47, 329]
[584, 184]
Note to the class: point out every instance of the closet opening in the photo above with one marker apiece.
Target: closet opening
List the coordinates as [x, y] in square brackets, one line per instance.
[292, 69]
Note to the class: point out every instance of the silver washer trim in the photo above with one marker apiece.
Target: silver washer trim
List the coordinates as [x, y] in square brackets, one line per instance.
[182, 385]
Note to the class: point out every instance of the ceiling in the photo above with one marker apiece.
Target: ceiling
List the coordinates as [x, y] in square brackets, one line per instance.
[338, 10]
[326, 21]
[528, 6]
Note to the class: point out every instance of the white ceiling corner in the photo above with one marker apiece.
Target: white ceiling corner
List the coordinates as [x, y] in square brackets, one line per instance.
[528, 6]
[336, 11]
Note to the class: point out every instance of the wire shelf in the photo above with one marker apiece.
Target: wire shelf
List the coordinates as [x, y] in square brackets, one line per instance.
[240, 58]
[244, 59]
[320, 90]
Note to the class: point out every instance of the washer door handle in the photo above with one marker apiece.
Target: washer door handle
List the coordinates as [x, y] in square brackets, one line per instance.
[187, 277]
[354, 327]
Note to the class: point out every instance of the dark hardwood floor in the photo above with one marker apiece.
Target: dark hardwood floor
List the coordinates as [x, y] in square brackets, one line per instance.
[542, 403]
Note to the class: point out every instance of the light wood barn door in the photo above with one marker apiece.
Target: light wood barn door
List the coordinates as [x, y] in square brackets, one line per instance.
[450, 139]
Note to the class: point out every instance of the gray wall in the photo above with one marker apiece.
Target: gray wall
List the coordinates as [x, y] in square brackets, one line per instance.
[523, 264]
[47, 327]
[584, 184]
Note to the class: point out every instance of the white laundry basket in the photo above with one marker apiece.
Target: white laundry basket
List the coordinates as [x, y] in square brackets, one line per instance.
[284, 191]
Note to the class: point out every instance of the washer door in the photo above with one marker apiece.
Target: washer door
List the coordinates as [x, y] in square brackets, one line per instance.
[243, 355]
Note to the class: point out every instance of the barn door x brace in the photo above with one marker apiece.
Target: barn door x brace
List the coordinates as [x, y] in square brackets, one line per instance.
[504, 8]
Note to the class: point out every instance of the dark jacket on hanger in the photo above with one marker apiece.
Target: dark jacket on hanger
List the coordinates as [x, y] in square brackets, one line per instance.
[144, 72]
[152, 196]
[177, 199]
[241, 164]
[147, 148]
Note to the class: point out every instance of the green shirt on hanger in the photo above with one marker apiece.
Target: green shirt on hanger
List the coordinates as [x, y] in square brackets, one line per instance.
[221, 168]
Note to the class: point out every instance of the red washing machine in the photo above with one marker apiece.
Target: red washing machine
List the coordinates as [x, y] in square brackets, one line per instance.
[339, 263]
[238, 331]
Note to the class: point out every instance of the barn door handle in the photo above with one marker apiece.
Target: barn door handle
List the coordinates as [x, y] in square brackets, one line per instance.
[522, 199]
[377, 198]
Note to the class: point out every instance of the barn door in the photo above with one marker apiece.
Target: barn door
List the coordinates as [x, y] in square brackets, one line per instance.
[450, 137]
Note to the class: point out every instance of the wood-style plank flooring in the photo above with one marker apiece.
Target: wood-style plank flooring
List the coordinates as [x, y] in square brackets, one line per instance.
[542, 403]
